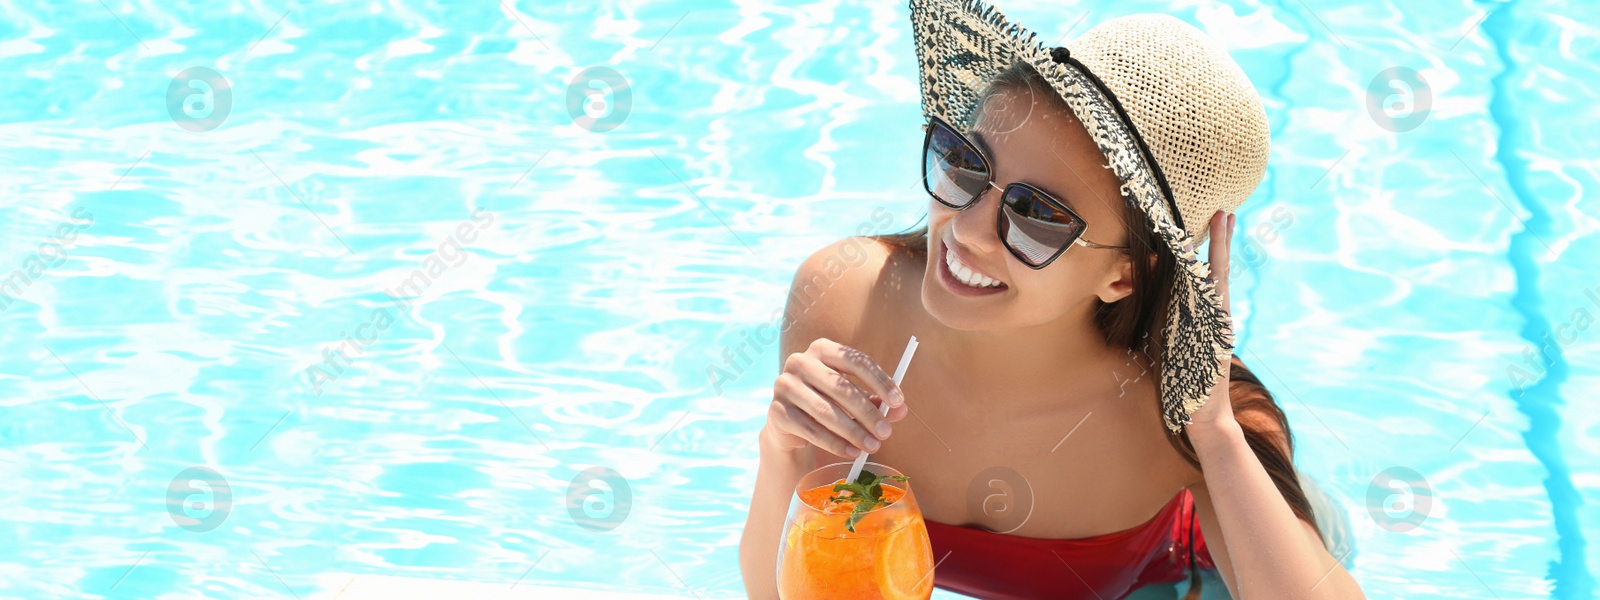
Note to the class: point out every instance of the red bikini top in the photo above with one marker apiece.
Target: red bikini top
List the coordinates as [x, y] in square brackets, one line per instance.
[985, 564]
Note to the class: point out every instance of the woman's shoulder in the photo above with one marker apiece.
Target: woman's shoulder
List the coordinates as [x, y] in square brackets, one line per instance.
[840, 285]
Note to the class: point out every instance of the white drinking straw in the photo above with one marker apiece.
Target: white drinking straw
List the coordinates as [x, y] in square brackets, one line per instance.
[899, 373]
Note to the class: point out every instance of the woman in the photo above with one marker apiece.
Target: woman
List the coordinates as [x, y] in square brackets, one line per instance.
[1072, 345]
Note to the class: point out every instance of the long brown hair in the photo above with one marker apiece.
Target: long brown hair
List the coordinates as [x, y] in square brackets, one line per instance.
[1137, 320]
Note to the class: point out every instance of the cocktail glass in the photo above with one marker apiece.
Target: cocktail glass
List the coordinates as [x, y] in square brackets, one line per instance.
[887, 555]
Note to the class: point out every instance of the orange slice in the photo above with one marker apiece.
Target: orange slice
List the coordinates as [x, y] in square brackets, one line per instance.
[905, 563]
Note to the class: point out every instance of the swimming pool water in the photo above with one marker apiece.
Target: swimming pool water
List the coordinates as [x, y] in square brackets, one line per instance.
[304, 295]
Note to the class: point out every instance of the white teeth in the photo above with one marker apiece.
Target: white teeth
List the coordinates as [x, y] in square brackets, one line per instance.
[966, 275]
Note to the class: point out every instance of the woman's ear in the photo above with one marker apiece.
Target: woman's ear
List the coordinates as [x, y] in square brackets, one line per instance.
[1121, 284]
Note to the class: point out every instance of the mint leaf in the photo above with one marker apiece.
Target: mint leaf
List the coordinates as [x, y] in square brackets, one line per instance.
[861, 510]
[866, 492]
[867, 477]
[856, 490]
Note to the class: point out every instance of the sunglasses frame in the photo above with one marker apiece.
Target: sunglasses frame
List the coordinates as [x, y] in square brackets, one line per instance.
[988, 179]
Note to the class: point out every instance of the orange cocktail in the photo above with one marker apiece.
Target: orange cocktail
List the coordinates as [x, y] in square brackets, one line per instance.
[886, 556]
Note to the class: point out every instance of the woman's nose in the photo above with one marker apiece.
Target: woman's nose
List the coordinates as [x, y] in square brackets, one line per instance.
[975, 226]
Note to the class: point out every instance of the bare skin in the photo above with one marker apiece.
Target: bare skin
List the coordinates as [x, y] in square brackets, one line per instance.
[1021, 379]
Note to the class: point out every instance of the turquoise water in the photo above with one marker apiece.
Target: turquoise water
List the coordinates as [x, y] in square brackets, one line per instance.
[210, 388]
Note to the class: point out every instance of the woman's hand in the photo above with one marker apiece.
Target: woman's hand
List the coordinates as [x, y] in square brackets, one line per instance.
[1218, 409]
[829, 396]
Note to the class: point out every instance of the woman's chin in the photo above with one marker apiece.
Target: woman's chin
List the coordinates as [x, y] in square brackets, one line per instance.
[954, 311]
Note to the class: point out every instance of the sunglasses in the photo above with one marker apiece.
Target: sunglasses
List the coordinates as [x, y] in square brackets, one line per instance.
[1035, 226]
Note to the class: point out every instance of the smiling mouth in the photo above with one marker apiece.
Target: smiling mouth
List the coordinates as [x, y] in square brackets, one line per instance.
[959, 274]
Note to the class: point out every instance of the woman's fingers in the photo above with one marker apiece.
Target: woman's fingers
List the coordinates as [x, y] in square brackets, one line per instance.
[857, 404]
[857, 364]
[794, 421]
[895, 412]
[832, 396]
[1221, 240]
[1221, 251]
[803, 392]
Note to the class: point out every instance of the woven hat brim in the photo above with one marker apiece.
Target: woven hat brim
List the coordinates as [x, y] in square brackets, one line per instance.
[961, 44]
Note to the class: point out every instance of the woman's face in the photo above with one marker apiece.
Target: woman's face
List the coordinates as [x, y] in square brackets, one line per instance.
[1031, 139]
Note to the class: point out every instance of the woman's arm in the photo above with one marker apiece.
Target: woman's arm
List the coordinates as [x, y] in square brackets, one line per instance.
[781, 469]
[1262, 549]
[818, 411]
[1258, 544]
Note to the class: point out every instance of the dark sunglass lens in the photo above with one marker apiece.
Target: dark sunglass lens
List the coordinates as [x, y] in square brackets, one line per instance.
[1034, 227]
[955, 171]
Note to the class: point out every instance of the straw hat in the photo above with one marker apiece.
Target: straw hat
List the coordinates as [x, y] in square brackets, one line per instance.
[1178, 122]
